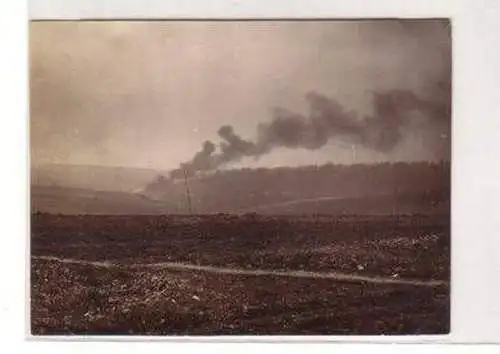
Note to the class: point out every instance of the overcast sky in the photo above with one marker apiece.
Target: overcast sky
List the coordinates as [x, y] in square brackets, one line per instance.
[147, 94]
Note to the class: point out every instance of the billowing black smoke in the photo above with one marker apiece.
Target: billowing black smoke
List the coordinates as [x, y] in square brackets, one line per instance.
[327, 120]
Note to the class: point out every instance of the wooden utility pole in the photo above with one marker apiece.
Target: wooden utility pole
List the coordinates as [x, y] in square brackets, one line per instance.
[396, 196]
[188, 194]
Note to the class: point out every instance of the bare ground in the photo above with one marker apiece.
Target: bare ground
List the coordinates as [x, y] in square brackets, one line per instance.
[209, 275]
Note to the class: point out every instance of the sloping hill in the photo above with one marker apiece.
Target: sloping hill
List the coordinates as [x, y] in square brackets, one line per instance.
[102, 178]
[61, 200]
[373, 205]
[360, 189]
[380, 188]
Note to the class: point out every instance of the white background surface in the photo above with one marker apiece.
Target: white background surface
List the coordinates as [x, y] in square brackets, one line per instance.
[475, 164]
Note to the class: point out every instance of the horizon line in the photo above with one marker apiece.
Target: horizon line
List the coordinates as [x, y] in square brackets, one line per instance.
[436, 162]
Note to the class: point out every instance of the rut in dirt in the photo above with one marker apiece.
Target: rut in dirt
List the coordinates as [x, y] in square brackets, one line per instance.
[256, 272]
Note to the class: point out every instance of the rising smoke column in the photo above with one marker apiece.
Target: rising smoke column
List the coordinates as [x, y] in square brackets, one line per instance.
[327, 120]
[202, 161]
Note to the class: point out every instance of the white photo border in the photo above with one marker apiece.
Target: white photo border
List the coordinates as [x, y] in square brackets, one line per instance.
[475, 285]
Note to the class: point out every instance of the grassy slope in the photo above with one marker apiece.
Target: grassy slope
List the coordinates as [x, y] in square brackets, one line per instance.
[85, 201]
[102, 178]
[61, 200]
[358, 189]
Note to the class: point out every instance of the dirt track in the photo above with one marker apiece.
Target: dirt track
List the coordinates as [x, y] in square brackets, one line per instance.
[259, 272]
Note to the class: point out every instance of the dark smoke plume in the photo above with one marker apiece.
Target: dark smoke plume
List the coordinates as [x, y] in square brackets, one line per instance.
[327, 120]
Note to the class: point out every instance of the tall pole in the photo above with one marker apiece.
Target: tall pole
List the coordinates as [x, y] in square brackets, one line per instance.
[396, 195]
[188, 194]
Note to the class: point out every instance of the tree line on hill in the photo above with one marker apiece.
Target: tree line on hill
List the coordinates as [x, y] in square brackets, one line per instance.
[245, 188]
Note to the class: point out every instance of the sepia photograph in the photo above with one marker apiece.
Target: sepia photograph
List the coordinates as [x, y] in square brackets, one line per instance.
[240, 177]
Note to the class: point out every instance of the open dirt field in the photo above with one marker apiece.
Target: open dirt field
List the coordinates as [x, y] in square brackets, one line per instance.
[247, 274]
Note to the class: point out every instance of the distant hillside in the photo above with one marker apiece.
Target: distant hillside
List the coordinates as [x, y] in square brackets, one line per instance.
[103, 178]
[371, 205]
[61, 200]
[358, 189]
[425, 186]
